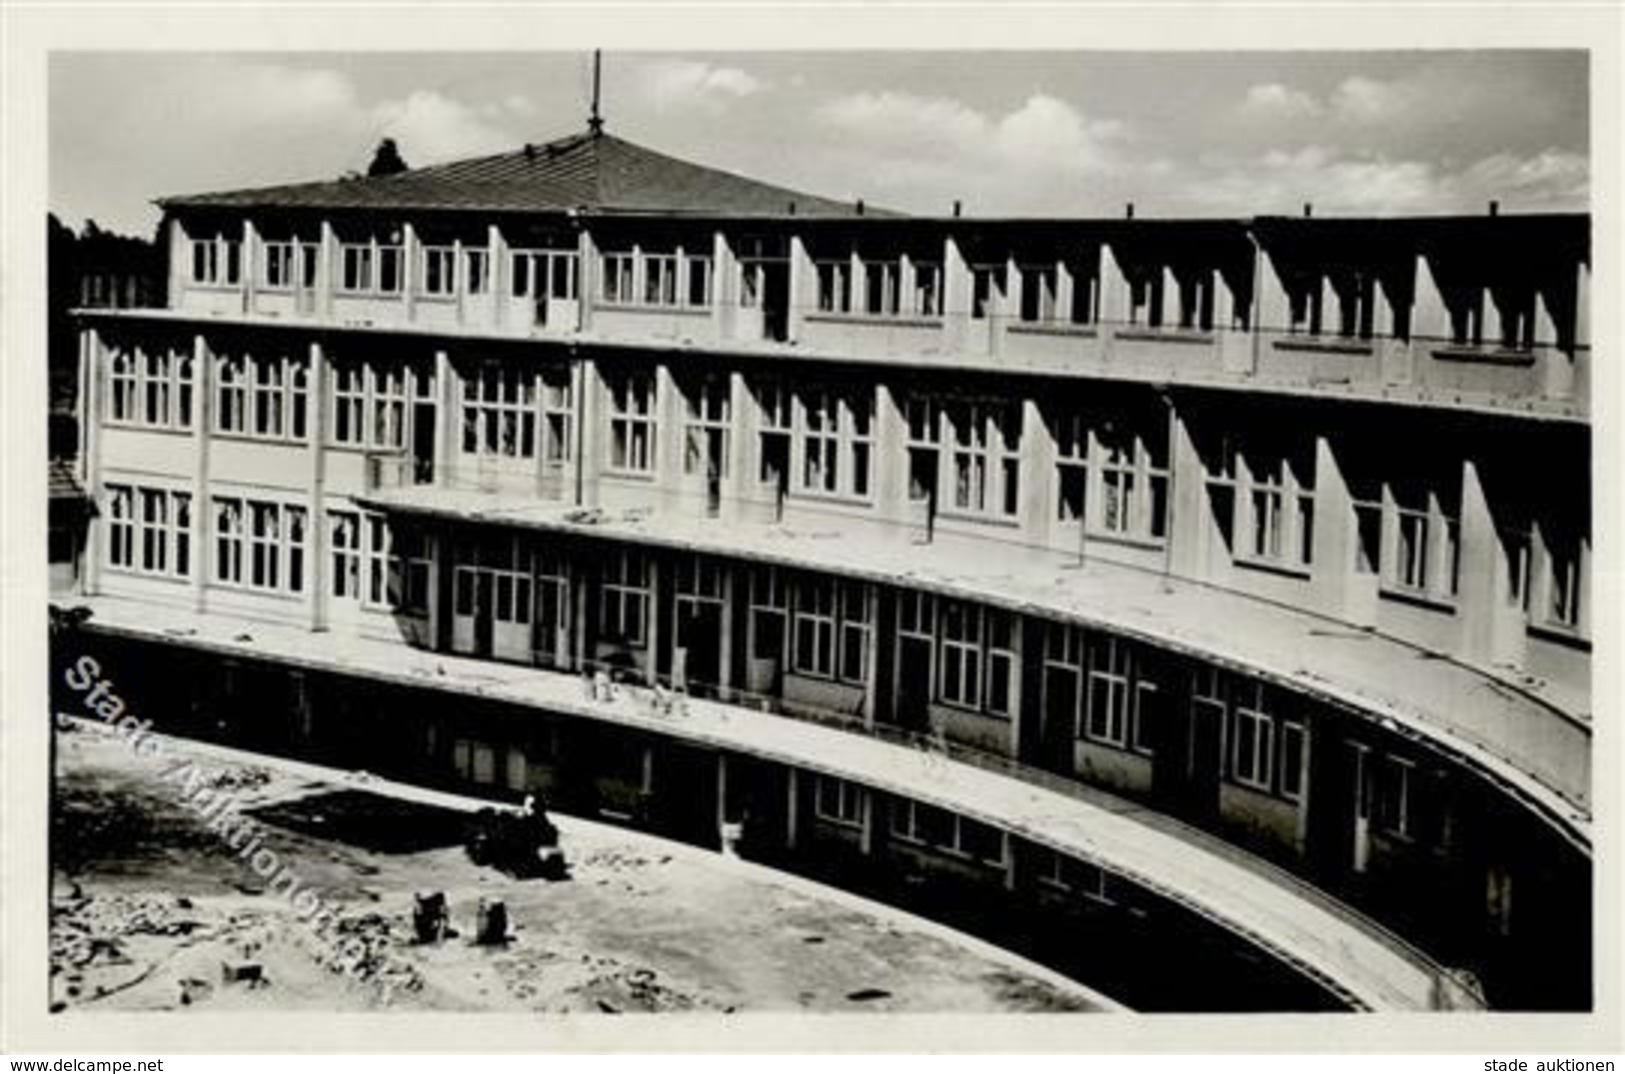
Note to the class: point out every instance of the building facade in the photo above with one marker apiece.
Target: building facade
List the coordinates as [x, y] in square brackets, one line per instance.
[1259, 549]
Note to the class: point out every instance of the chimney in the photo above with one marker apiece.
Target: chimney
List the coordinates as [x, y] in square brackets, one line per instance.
[1128, 211]
[1308, 210]
[1495, 208]
[860, 206]
[958, 207]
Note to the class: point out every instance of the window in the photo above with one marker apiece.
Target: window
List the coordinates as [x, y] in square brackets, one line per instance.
[369, 402]
[777, 427]
[624, 598]
[699, 281]
[834, 285]
[960, 655]
[498, 411]
[856, 631]
[476, 271]
[1133, 490]
[370, 268]
[228, 534]
[151, 388]
[1062, 873]
[986, 458]
[930, 826]
[413, 551]
[344, 528]
[274, 535]
[706, 430]
[120, 526]
[882, 295]
[217, 262]
[834, 442]
[632, 425]
[1071, 467]
[927, 301]
[149, 531]
[1251, 741]
[124, 378]
[1274, 504]
[1001, 663]
[384, 567]
[839, 801]
[557, 416]
[1292, 760]
[814, 627]
[1393, 781]
[439, 271]
[922, 824]
[619, 272]
[231, 394]
[289, 265]
[1422, 542]
[1109, 696]
[1039, 293]
[769, 605]
[387, 405]
[545, 274]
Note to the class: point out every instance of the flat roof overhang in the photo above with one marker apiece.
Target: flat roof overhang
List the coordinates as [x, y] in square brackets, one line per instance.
[1479, 720]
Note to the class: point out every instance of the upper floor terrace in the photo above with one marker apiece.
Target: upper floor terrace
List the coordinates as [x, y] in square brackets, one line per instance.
[594, 238]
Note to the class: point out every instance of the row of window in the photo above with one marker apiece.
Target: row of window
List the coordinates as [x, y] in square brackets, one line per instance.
[261, 544]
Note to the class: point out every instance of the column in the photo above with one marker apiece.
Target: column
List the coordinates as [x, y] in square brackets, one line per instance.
[1115, 298]
[891, 459]
[589, 438]
[1430, 318]
[724, 287]
[1490, 623]
[722, 805]
[326, 271]
[1336, 587]
[498, 266]
[1035, 470]
[439, 569]
[448, 396]
[249, 265]
[1190, 520]
[203, 402]
[179, 249]
[670, 419]
[742, 441]
[955, 299]
[92, 391]
[316, 531]
[802, 281]
[587, 269]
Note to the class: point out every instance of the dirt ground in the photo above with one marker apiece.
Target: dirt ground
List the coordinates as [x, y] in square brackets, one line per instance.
[149, 907]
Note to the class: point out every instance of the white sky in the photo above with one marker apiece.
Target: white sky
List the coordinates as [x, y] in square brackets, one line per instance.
[1077, 133]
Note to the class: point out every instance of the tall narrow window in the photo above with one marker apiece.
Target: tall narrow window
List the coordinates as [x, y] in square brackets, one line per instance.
[231, 399]
[345, 540]
[1252, 740]
[120, 526]
[814, 627]
[960, 655]
[632, 422]
[624, 598]
[1108, 698]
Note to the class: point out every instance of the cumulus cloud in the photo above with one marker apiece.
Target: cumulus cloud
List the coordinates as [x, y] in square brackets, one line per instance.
[674, 83]
[1035, 157]
[1280, 181]
[1273, 100]
[430, 127]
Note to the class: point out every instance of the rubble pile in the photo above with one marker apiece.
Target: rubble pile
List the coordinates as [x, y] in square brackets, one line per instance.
[376, 964]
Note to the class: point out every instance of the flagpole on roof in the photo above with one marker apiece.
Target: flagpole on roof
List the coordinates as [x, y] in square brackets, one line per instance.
[595, 121]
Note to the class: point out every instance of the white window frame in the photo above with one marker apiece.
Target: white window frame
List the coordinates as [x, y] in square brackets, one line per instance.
[812, 626]
[634, 424]
[626, 586]
[216, 262]
[840, 801]
[1255, 767]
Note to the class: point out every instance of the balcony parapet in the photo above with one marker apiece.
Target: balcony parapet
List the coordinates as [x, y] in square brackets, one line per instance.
[1532, 741]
